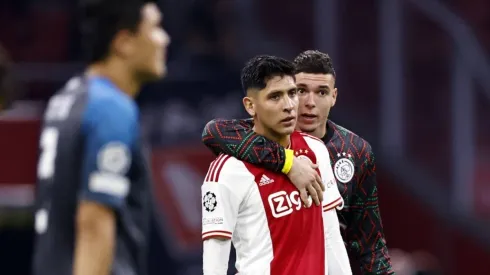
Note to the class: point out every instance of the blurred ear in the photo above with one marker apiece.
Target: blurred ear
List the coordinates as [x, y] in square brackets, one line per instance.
[123, 44]
[248, 103]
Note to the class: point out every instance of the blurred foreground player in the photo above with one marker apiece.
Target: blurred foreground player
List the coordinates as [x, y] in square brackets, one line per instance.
[352, 158]
[92, 206]
[260, 210]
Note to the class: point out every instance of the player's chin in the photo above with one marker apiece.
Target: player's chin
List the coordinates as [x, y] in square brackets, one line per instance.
[307, 128]
[156, 74]
[287, 130]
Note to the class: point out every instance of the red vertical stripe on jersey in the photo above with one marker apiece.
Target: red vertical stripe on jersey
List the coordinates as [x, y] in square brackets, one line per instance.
[297, 233]
[215, 168]
[221, 167]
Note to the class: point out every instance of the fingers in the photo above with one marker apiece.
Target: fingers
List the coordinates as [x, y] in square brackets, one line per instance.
[320, 182]
[304, 197]
[319, 190]
[313, 194]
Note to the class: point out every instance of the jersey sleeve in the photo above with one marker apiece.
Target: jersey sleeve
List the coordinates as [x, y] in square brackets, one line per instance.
[336, 255]
[236, 138]
[109, 131]
[331, 196]
[222, 192]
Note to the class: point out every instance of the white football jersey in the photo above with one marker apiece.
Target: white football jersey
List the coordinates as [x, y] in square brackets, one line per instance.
[262, 213]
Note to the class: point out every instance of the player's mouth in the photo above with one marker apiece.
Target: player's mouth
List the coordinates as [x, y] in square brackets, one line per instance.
[288, 121]
[308, 118]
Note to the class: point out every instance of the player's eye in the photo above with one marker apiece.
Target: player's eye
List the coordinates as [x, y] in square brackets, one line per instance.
[323, 92]
[293, 92]
[301, 91]
[275, 97]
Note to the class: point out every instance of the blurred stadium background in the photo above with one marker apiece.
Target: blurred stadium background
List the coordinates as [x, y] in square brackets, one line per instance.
[413, 79]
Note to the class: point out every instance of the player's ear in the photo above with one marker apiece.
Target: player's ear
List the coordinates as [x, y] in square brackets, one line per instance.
[123, 43]
[334, 95]
[249, 105]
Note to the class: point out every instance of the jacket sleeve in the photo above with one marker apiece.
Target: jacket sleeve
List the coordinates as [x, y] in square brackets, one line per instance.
[364, 234]
[236, 137]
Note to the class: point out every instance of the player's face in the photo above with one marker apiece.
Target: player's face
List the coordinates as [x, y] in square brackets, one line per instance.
[275, 107]
[151, 45]
[317, 95]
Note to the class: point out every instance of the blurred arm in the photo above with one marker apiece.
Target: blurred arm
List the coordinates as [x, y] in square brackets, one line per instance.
[95, 241]
[109, 135]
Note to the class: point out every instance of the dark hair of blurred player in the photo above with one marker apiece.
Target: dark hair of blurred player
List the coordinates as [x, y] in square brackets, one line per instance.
[271, 96]
[315, 78]
[124, 41]
[6, 85]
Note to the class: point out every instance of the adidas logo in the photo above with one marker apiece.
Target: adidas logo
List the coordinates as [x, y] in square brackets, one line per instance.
[265, 180]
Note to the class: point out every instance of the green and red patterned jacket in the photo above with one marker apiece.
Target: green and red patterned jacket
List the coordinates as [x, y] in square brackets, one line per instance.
[354, 167]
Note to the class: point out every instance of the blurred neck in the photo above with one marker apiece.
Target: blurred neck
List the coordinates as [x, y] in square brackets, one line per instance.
[117, 72]
[283, 140]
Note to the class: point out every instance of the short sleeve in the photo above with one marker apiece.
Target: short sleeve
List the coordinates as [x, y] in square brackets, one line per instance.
[109, 131]
[222, 194]
[331, 196]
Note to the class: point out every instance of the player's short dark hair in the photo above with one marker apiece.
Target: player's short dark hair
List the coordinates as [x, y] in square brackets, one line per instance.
[101, 20]
[262, 68]
[6, 81]
[314, 62]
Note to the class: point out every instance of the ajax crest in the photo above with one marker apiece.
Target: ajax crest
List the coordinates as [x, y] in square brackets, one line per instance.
[344, 170]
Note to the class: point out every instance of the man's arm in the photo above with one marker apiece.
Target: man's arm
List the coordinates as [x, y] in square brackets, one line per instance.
[220, 208]
[337, 259]
[364, 234]
[109, 137]
[237, 138]
[336, 254]
[216, 254]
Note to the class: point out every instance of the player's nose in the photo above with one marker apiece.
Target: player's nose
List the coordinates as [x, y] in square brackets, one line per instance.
[289, 104]
[310, 101]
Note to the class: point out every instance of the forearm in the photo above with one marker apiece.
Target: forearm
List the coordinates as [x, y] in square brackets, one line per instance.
[94, 251]
[237, 138]
[216, 253]
[336, 253]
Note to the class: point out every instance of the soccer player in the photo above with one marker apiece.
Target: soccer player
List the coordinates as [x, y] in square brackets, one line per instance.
[352, 158]
[259, 210]
[92, 205]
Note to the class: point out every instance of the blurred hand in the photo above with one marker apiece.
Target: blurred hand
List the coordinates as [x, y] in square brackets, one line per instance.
[304, 176]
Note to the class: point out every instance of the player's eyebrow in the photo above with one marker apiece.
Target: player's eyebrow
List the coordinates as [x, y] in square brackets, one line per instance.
[326, 87]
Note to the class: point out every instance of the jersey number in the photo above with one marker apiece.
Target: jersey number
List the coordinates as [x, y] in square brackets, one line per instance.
[48, 144]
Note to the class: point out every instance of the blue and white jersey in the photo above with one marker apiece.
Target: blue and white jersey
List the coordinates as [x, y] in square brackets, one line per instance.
[90, 149]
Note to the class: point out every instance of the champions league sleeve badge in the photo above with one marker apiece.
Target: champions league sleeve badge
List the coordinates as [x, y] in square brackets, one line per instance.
[344, 169]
